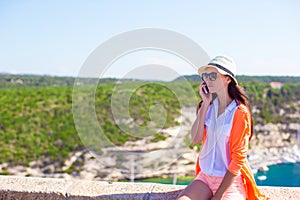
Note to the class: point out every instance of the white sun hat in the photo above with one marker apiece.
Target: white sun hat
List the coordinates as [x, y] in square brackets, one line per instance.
[224, 64]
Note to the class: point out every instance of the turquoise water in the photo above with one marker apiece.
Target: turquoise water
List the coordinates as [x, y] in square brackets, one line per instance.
[287, 175]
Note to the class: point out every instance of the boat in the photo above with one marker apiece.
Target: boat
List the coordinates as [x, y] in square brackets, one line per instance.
[262, 178]
[263, 168]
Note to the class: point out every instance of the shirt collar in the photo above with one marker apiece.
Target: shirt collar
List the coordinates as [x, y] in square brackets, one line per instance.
[229, 108]
[232, 105]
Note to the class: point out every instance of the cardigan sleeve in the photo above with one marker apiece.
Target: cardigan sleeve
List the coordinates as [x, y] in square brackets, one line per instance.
[239, 139]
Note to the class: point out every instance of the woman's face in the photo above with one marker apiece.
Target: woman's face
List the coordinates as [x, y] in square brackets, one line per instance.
[216, 83]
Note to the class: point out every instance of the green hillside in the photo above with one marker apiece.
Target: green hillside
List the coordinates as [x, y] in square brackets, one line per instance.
[36, 120]
[36, 123]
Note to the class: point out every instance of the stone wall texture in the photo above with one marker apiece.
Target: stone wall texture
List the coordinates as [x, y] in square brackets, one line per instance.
[24, 188]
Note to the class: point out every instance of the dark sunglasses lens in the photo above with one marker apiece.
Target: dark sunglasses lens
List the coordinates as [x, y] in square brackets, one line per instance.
[213, 76]
[204, 76]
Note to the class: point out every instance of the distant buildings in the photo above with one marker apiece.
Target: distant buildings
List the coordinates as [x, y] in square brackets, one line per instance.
[276, 85]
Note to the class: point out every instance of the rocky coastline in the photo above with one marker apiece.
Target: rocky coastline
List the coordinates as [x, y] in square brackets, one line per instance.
[271, 144]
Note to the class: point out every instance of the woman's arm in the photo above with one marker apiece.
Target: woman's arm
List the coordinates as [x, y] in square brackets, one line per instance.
[198, 125]
[239, 139]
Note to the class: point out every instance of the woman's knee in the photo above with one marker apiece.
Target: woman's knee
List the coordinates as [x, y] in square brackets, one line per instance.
[183, 198]
[196, 190]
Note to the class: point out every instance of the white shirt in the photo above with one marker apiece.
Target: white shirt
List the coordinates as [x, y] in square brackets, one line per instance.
[215, 156]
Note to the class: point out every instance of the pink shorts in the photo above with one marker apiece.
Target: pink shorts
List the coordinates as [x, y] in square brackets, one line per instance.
[235, 191]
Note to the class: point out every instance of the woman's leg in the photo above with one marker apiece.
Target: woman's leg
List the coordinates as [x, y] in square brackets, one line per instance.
[236, 190]
[196, 190]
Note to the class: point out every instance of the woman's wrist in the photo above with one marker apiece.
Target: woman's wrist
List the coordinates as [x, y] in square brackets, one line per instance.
[204, 107]
[217, 196]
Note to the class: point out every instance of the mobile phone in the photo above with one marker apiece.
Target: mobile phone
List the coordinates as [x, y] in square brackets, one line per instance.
[205, 89]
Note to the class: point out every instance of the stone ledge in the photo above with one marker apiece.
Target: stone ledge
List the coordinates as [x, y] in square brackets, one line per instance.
[12, 187]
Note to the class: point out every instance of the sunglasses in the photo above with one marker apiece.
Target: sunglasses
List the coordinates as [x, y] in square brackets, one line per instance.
[212, 76]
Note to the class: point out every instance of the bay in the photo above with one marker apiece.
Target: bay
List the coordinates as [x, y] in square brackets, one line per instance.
[284, 175]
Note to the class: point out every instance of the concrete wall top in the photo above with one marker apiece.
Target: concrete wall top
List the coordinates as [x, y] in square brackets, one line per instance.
[47, 188]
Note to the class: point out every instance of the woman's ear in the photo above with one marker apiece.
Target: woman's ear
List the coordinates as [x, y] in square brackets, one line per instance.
[228, 79]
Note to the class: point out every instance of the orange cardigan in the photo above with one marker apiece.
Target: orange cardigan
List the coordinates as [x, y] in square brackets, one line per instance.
[238, 144]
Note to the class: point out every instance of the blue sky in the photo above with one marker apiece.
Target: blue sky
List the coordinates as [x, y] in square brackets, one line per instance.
[56, 37]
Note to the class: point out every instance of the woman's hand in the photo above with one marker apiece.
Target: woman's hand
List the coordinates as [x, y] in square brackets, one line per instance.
[207, 98]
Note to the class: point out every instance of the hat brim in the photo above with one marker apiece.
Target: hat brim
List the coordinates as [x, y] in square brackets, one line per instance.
[201, 70]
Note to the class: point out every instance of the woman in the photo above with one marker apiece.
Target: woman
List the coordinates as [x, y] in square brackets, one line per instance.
[224, 126]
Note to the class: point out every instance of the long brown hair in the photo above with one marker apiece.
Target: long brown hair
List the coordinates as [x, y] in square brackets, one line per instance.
[238, 93]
